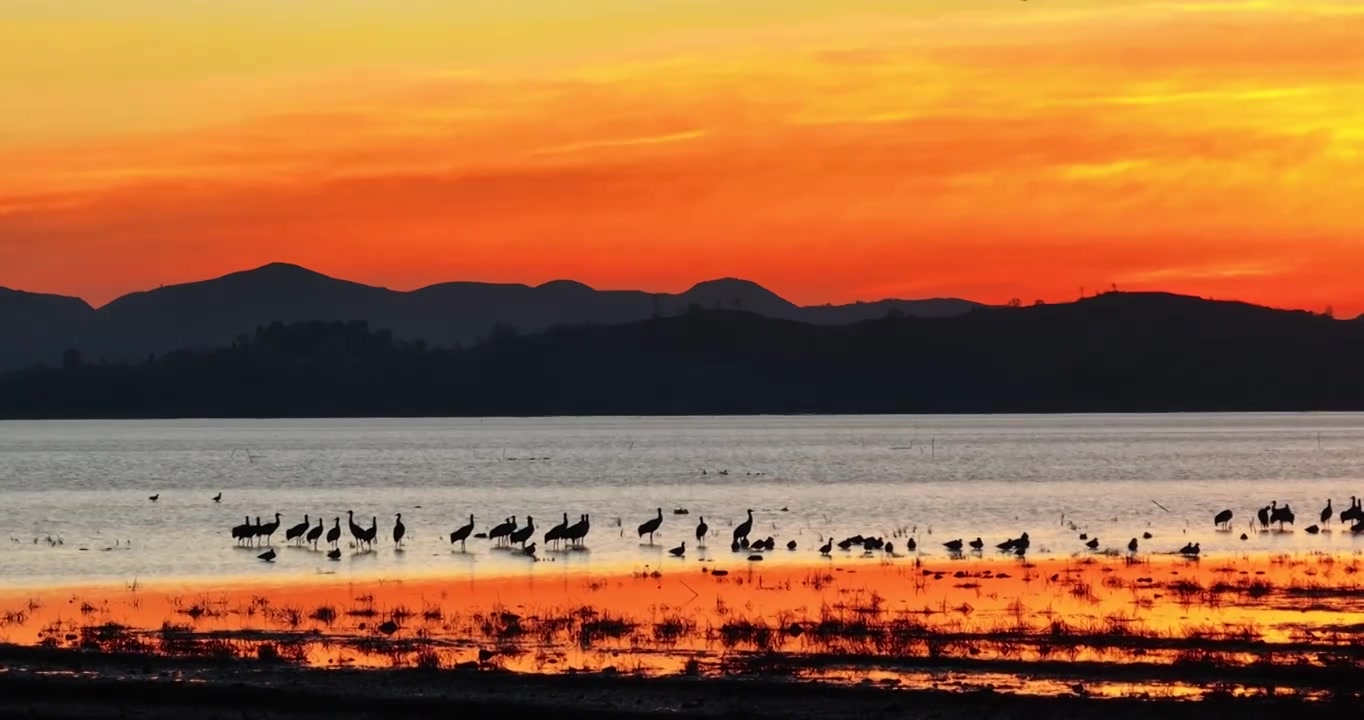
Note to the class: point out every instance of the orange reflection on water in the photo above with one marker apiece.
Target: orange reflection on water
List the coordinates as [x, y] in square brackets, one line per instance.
[942, 623]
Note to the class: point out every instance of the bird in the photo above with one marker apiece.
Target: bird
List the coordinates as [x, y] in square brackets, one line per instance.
[1093, 544]
[977, 544]
[334, 535]
[680, 550]
[1146, 536]
[501, 531]
[1312, 529]
[556, 533]
[295, 533]
[1132, 546]
[578, 532]
[521, 535]
[890, 549]
[701, 530]
[1282, 515]
[315, 533]
[953, 545]
[528, 550]
[356, 532]
[1190, 550]
[268, 555]
[242, 532]
[155, 497]
[218, 498]
[1264, 515]
[462, 534]
[372, 532]
[268, 529]
[1223, 519]
[791, 545]
[827, 547]
[910, 545]
[399, 530]
[742, 530]
[651, 526]
[334, 554]
[1326, 513]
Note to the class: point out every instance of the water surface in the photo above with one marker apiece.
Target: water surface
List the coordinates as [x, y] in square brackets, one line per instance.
[75, 494]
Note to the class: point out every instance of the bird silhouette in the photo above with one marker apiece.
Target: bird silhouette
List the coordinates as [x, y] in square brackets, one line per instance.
[243, 532]
[295, 533]
[791, 545]
[155, 497]
[651, 526]
[556, 533]
[399, 530]
[680, 550]
[315, 534]
[1093, 544]
[953, 545]
[1326, 513]
[268, 555]
[334, 535]
[1132, 545]
[268, 530]
[500, 532]
[356, 532]
[977, 544]
[334, 554]
[218, 498]
[520, 536]
[1223, 519]
[827, 547]
[462, 534]
[701, 530]
[576, 534]
[742, 530]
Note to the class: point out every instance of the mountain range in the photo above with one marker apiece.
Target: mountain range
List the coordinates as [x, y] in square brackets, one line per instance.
[38, 329]
[1116, 352]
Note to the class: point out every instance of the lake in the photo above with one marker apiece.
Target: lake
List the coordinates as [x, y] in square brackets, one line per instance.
[76, 508]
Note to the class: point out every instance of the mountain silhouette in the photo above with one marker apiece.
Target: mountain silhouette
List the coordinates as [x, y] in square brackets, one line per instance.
[1118, 352]
[35, 326]
[211, 313]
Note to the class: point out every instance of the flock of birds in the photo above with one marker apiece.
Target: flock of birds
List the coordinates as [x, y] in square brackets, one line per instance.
[512, 535]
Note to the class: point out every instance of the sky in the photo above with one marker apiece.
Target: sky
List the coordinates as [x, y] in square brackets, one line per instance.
[832, 150]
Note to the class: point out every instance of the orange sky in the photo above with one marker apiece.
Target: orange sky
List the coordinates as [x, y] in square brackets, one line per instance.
[832, 150]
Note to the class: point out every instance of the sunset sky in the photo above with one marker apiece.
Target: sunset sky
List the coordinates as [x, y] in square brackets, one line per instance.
[832, 150]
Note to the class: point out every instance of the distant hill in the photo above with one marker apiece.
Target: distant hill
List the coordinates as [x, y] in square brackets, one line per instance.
[213, 312]
[1112, 353]
[34, 326]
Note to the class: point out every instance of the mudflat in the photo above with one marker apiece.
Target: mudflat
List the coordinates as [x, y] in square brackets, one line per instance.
[1078, 636]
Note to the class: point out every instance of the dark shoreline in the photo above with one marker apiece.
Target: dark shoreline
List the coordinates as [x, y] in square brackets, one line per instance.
[48, 683]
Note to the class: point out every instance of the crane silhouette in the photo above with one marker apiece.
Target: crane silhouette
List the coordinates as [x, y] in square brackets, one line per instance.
[268, 530]
[650, 527]
[556, 533]
[521, 535]
[399, 530]
[462, 534]
[334, 535]
[315, 534]
[295, 533]
[701, 530]
[742, 530]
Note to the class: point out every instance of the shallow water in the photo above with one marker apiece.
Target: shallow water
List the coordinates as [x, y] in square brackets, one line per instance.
[85, 485]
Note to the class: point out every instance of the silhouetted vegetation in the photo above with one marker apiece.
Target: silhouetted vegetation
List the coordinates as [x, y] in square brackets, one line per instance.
[1115, 352]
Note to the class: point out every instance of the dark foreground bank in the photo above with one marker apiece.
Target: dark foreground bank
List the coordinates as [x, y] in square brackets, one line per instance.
[44, 683]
